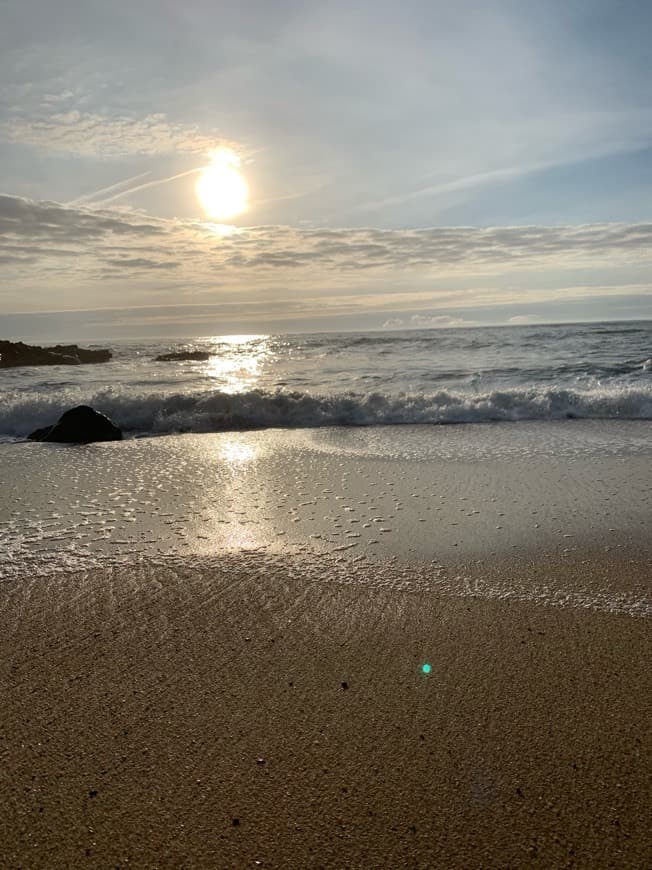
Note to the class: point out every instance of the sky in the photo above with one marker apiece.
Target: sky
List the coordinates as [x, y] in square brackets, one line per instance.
[420, 163]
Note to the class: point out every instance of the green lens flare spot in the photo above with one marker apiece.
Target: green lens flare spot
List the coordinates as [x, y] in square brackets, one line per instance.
[426, 668]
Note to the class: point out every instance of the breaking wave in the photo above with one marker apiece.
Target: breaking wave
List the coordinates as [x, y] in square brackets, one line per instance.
[160, 413]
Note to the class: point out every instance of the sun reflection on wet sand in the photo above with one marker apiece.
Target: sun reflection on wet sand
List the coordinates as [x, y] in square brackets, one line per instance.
[231, 497]
[237, 452]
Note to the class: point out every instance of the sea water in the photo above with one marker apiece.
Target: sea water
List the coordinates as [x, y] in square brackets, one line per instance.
[595, 371]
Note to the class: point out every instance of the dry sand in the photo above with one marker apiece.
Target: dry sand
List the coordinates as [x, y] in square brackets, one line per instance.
[266, 706]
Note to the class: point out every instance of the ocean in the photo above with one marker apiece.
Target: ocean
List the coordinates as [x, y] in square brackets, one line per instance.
[478, 375]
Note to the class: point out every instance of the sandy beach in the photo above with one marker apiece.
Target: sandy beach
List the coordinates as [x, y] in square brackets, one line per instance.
[212, 650]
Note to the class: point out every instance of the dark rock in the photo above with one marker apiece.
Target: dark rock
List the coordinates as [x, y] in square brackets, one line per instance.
[83, 354]
[180, 355]
[39, 434]
[16, 353]
[79, 425]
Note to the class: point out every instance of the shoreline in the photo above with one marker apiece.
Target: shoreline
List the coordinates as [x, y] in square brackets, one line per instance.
[133, 434]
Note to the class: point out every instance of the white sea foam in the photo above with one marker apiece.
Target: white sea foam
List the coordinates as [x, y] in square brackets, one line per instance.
[157, 413]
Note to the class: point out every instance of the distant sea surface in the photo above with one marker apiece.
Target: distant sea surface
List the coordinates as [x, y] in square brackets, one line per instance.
[594, 371]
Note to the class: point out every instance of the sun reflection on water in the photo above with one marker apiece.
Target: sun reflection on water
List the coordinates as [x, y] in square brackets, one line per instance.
[238, 361]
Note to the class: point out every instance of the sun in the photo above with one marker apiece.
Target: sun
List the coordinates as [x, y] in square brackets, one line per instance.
[221, 189]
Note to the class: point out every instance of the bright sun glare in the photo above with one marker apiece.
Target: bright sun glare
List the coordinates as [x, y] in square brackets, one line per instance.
[221, 189]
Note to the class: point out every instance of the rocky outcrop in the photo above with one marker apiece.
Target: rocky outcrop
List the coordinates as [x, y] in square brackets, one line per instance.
[196, 355]
[79, 425]
[16, 353]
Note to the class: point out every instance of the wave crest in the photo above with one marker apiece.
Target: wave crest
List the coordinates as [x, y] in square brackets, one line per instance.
[160, 413]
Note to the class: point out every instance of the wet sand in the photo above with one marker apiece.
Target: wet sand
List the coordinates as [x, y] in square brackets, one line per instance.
[415, 493]
[259, 699]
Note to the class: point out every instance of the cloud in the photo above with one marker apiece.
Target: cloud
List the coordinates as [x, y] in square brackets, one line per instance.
[283, 248]
[599, 135]
[141, 263]
[95, 134]
[77, 254]
[443, 248]
[438, 321]
[427, 321]
[25, 219]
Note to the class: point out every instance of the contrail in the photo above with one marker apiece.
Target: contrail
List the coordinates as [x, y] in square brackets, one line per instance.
[149, 184]
[108, 189]
[288, 196]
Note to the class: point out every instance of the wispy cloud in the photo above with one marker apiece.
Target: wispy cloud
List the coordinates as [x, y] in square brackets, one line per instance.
[589, 136]
[110, 136]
